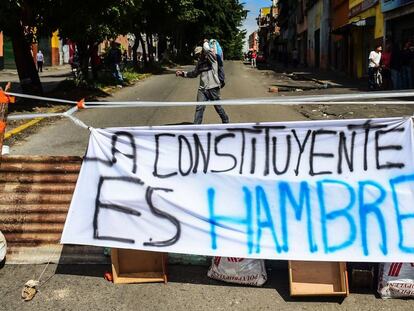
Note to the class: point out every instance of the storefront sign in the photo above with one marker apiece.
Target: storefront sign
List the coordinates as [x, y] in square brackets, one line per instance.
[326, 190]
[388, 5]
[361, 7]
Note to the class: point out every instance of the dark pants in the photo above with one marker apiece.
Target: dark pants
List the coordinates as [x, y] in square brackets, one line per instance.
[209, 95]
[39, 66]
[371, 78]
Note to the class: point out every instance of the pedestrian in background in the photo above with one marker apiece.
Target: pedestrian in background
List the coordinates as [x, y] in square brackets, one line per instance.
[40, 59]
[114, 59]
[385, 67]
[254, 56]
[209, 88]
[374, 60]
[406, 72]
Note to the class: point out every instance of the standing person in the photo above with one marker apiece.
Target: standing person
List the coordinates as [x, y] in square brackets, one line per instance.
[374, 60]
[386, 67]
[115, 58]
[209, 89]
[254, 56]
[406, 73]
[40, 59]
[395, 66]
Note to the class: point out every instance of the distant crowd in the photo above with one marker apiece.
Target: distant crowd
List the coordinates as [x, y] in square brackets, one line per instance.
[391, 68]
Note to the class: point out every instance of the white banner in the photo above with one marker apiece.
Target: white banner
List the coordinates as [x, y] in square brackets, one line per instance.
[338, 190]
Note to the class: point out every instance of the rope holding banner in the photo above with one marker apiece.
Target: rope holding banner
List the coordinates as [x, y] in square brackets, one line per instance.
[2, 126]
[78, 122]
[6, 99]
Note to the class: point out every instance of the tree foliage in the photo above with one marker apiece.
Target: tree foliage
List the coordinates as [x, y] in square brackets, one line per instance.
[178, 25]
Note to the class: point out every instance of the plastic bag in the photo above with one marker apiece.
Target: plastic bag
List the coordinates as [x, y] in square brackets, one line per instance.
[214, 44]
[396, 280]
[238, 270]
[3, 247]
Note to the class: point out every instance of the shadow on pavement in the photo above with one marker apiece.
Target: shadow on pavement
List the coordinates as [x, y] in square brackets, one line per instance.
[55, 89]
[278, 279]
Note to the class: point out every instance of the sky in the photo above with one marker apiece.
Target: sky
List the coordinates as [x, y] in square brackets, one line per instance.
[253, 6]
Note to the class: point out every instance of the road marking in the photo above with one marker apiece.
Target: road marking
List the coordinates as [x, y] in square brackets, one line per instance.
[25, 126]
[22, 127]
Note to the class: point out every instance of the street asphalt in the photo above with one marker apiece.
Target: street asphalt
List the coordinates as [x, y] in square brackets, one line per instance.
[62, 137]
[83, 287]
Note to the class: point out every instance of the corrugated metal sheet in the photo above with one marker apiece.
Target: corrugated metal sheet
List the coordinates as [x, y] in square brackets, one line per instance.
[35, 194]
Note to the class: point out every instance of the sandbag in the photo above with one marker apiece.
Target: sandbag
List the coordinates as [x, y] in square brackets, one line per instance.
[396, 280]
[238, 270]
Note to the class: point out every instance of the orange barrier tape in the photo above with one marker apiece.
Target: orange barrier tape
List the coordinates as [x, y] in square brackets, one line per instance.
[6, 99]
[2, 126]
[81, 104]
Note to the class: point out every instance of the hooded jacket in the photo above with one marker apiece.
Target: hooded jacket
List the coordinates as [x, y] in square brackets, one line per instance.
[207, 69]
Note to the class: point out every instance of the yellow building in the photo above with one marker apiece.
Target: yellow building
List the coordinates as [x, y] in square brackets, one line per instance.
[367, 30]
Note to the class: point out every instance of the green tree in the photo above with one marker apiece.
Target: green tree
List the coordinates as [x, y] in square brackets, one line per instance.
[222, 20]
[22, 21]
[88, 23]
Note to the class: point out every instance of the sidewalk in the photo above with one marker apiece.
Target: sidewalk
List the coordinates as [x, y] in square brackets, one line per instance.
[291, 81]
[325, 78]
[50, 77]
[46, 70]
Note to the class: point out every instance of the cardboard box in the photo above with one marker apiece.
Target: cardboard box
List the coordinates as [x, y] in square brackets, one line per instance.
[312, 278]
[133, 266]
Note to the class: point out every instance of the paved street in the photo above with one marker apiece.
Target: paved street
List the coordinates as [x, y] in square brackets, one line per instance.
[63, 138]
[79, 288]
[83, 287]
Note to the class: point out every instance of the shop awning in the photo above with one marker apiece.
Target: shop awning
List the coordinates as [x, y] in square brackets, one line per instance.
[345, 29]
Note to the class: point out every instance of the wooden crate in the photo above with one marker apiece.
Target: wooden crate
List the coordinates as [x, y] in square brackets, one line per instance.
[133, 266]
[311, 278]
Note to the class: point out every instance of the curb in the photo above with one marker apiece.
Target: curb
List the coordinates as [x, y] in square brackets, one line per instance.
[25, 126]
[21, 128]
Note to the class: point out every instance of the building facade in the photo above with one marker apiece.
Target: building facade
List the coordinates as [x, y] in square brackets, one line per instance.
[53, 48]
[339, 34]
[366, 30]
[399, 21]
[302, 32]
[254, 41]
[263, 22]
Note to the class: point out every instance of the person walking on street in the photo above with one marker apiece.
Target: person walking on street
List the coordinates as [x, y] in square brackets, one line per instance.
[373, 66]
[40, 59]
[209, 88]
[254, 56]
